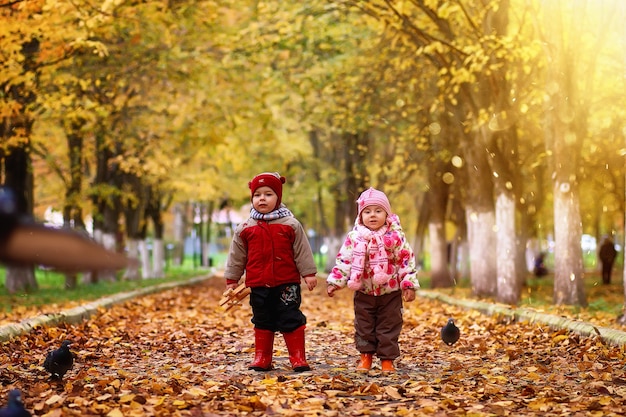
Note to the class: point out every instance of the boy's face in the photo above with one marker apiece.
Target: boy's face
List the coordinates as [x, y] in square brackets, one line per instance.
[264, 199]
[373, 217]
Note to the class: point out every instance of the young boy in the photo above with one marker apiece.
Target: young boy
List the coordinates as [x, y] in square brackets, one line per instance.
[378, 264]
[272, 248]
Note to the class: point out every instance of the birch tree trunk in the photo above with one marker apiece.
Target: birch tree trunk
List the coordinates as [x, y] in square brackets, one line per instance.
[568, 256]
[154, 212]
[180, 233]
[132, 272]
[509, 289]
[481, 222]
[567, 113]
[109, 241]
[144, 255]
[158, 258]
[482, 252]
[92, 277]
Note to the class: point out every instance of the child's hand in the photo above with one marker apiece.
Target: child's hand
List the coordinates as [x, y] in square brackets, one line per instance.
[231, 286]
[330, 290]
[408, 294]
[311, 282]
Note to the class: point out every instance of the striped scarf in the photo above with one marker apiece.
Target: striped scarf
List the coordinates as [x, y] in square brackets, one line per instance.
[368, 244]
[280, 212]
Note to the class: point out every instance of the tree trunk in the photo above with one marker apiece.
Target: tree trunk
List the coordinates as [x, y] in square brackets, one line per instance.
[568, 265]
[180, 233]
[72, 211]
[346, 191]
[132, 272]
[423, 214]
[482, 252]
[144, 255]
[200, 226]
[464, 260]
[109, 241]
[158, 258]
[206, 252]
[509, 288]
[440, 275]
[106, 207]
[20, 280]
[154, 213]
[480, 218]
[566, 116]
[92, 277]
[18, 177]
[334, 244]
[437, 198]
[135, 215]
[459, 259]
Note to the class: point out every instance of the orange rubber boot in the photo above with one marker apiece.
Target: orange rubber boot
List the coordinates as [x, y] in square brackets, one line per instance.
[387, 366]
[366, 362]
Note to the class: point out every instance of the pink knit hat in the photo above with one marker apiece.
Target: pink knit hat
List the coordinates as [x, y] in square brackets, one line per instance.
[371, 197]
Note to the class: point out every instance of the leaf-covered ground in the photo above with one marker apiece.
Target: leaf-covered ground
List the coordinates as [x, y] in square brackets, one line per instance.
[177, 353]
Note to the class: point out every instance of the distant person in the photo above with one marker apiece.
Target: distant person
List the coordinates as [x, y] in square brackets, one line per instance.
[273, 251]
[540, 269]
[378, 264]
[607, 256]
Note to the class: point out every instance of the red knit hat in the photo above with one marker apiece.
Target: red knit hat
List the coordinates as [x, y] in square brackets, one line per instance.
[371, 197]
[268, 179]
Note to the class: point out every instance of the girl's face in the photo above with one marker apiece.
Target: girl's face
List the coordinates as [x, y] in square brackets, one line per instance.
[264, 200]
[373, 217]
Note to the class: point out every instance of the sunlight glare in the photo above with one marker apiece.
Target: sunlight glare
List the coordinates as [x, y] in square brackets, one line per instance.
[448, 178]
[457, 161]
[434, 128]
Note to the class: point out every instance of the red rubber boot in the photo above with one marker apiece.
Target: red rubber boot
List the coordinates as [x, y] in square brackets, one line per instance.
[264, 349]
[295, 346]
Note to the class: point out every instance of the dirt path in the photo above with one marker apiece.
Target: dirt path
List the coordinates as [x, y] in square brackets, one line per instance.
[178, 353]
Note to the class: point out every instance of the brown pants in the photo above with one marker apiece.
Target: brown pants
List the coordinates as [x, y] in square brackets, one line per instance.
[377, 323]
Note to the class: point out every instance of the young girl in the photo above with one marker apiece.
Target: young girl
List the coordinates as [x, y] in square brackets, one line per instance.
[378, 264]
[272, 249]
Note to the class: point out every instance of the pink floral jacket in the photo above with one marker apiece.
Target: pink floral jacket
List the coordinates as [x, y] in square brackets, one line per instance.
[400, 263]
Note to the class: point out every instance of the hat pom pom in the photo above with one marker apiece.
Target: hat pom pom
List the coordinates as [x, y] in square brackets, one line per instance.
[354, 285]
[380, 278]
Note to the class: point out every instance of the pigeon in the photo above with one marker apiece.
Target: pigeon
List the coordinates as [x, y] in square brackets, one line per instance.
[15, 406]
[450, 333]
[59, 361]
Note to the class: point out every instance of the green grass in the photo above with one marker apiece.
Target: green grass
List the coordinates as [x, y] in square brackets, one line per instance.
[538, 293]
[52, 286]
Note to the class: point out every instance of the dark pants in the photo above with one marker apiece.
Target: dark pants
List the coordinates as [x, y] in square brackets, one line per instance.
[277, 308]
[377, 323]
[607, 267]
